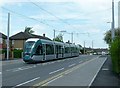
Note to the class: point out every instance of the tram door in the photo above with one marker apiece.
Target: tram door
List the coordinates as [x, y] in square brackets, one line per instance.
[44, 52]
[57, 48]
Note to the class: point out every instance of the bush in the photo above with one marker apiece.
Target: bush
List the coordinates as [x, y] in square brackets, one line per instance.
[17, 53]
[4, 51]
[115, 54]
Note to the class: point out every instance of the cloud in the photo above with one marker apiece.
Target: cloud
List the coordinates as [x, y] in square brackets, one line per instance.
[85, 15]
[39, 29]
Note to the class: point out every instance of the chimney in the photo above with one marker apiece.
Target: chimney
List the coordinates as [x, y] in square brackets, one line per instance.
[43, 35]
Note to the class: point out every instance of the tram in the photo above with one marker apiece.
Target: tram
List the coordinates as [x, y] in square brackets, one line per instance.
[36, 50]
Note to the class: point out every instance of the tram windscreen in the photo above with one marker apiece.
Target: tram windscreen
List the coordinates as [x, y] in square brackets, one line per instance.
[28, 46]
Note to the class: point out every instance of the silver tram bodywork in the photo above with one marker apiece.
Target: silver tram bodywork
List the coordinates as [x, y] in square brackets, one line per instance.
[43, 50]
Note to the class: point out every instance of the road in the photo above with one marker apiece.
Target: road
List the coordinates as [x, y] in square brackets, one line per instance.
[16, 73]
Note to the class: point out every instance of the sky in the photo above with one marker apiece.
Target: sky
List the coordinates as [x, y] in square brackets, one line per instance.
[86, 19]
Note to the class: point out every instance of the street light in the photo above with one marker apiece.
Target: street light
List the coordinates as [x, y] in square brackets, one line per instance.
[63, 31]
[84, 47]
[110, 26]
[92, 43]
[8, 30]
[113, 22]
[112, 30]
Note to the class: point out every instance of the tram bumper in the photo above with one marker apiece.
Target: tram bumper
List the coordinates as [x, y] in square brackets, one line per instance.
[27, 58]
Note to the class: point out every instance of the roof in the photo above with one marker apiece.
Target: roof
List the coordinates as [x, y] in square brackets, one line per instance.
[3, 36]
[41, 37]
[25, 36]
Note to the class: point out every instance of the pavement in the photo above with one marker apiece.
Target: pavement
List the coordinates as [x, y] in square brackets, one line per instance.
[106, 77]
[9, 59]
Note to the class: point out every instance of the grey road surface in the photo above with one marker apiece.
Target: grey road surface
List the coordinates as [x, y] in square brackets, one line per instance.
[16, 73]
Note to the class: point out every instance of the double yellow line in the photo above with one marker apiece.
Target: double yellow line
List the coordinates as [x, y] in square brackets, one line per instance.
[45, 82]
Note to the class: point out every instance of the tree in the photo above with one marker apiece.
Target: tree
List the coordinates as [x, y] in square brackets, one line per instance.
[58, 38]
[28, 30]
[107, 37]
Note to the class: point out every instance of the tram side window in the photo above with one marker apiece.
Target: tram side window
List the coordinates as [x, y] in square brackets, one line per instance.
[49, 49]
[72, 49]
[39, 50]
[63, 50]
[66, 49]
[56, 49]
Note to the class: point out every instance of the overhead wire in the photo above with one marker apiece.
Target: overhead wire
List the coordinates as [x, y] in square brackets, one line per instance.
[27, 17]
[52, 14]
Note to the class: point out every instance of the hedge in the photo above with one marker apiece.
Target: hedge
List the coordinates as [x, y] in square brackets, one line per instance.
[17, 53]
[115, 54]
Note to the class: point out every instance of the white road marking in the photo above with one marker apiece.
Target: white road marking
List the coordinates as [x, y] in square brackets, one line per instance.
[34, 65]
[38, 64]
[27, 82]
[44, 64]
[96, 73]
[52, 62]
[51, 80]
[56, 71]
[0, 72]
[80, 62]
[21, 68]
[71, 65]
[59, 61]
[105, 69]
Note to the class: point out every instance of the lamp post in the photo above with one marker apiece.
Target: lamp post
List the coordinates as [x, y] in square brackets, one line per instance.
[84, 47]
[92, 43]
[112, 30]
[63, 31]
[8, 36]
[113, 22]
[72, 37]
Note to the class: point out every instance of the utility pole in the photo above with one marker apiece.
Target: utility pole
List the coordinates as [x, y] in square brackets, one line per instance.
[72, 37]
[54, 33]
[92, 44]
[8, 28]
[84, 47]
[113, 22]
[54, 44]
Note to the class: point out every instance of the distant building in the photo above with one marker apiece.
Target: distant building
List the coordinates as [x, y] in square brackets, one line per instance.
[101, 51]
[3, 39]
[119, 14]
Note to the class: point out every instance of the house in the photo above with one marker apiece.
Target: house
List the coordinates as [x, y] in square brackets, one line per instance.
[18, 40]
[3, 45]
[3, 39]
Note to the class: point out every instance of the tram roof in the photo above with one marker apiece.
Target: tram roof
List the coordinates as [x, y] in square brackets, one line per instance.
[59, 43]
[32, 39]
[46, 41]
